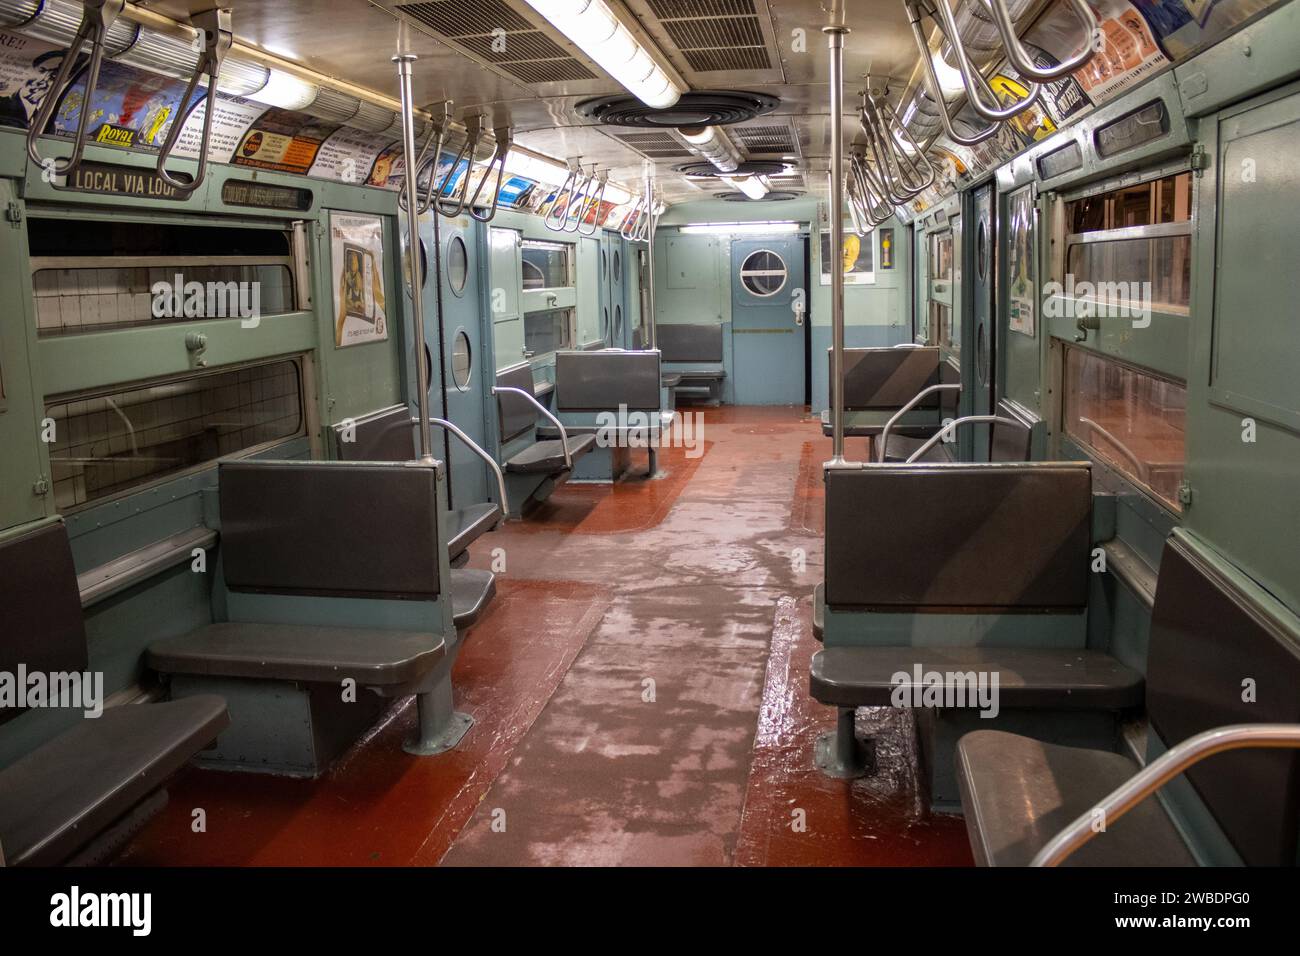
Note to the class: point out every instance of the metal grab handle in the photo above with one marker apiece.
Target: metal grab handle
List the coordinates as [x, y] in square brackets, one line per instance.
[1159, 772]
[928, 390]
[868, 205]
[593, 205]
[1020, 58]
[214, 25]
[935, 89]
[627, 229]
[473, 130]
[564, 435]
[915, 175]
[976, 86]
[554, 222]
[478, 450]
[580, 198]
[956, 423]
[439, 134]
[97, 17]
[645, 222]
[504, 140]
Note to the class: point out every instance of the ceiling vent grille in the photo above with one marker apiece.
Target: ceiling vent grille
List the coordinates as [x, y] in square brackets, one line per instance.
[767, 139]
[654, 145]
[493, 33]
[715, 35]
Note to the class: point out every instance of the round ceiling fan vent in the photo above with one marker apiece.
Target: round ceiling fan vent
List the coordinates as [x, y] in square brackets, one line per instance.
[695, 108]
[750, 167]
[776, 195]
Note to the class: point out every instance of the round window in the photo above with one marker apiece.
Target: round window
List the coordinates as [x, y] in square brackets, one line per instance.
[618, 321]
[618, 266]
[604, 322]
[763, 273]
[982, 249]
[457, 264]
[604, 262]
[406, 264]
[982, 354]
[462, 357]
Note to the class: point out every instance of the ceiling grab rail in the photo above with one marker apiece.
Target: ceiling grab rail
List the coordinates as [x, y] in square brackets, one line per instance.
[442, 202]
[864, 183]
[1156, 774]
[578, 198]
[437, 133]
[593, 208]
[97, 16]
[859, 202]
[559, 211]
[627, 228]
[216, 37]
[884, 167]
[919, 172]
[935, 89]
[977, 87]
[1021, 59]
[645, 223]
[504, 139]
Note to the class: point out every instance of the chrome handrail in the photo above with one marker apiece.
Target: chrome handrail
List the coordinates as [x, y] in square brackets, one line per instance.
[503, 141]
[1159, 772]
[914, 15]
[1019, 57]
[977, 87]
[928, 390]
[217, 38]
[627, 228]
[1138, 464]
[564, 435]
[582, 195]
[478, 450]
[950, 429]
[97, 17]
[473, 130]
[595, 204]
[566, 191]
[438, 133]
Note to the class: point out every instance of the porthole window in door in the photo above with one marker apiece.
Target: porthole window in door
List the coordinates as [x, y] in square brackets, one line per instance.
[457, 265]
[604, 322]
[618, 266]
[763, 273]
[618, 321]
[982, 249]
[406, 264]
[462, 360]
[982, 354]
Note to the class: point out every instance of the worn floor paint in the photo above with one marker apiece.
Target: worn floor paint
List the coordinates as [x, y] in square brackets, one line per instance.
[640, 693]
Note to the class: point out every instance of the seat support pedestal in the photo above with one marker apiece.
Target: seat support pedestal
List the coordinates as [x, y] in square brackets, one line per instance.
[840, 754]
[440, 727]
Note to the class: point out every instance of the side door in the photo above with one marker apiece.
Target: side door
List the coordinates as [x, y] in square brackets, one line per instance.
[981, 338]
[767, 329]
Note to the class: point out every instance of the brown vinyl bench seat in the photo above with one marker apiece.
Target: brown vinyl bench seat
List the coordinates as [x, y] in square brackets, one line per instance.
[547, 457]
[55, 800]
[1058, 678]
[472, 591]
[466, 525]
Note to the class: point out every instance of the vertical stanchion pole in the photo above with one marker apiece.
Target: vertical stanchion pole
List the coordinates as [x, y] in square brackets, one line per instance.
[835, 34]
[650, 255]
[404, 62]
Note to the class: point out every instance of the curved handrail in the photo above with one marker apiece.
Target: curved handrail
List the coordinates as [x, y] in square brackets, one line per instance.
[97, 17]
[564, 434]
[973, 80]
[1019, 57]
[473, 130]
[1159, 772]
[566, 191]
[627, 229]
[1139, 466]
[893, 420]
[594, 205]
[437, 133]
[914, 16]
[478, 450]
[582, 195]
[952, 426]
[504, 140]
[214, 27]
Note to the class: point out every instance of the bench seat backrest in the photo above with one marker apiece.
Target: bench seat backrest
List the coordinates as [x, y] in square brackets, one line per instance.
[383, 435]
[971, 536]
[333, 529]
[1011, 442]
[599, 381]
[40, 606]
[1219, 655]
[517, 415]
[689, 342]
[888, 378]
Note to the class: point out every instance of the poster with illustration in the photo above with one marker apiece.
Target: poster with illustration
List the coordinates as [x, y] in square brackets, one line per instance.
[131, 108]
[357, 266]
[284, 141]
[1206, 21]
[855, 259]
[1129, 51]
[1030, 125]
[347, 155]
[232, 119]
[1020, 263]
[28, 69]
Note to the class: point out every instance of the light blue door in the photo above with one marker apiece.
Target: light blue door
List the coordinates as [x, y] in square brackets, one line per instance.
[980, 348]
[767, 314]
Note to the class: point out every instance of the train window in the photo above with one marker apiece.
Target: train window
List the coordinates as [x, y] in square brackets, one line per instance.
[406, 264]
[457, 265]
[1146, 204]
[763, 273]
[106, 443]
[618, 266]
[547, 265]
[941, 255]
[96, 276]
[618, 322]
[1132, 419]
[982, 249]
[941, 324]
[604, 322]
[462, 360]
[1143, 125]
[1060, 161]
[548, 330]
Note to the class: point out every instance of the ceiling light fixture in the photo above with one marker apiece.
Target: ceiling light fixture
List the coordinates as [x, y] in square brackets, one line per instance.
[712, 144]
[595, 30]
[751, 186]
[739, 228]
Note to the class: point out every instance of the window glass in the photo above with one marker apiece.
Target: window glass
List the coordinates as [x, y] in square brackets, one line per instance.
[1146, 204]
[457, 264]
[1135, 273]
[1133, 420]
[547, 265]
[1141, 126]
[462, 356]
[941, 255]
[763, 273]
[107, 443]
[548, 330]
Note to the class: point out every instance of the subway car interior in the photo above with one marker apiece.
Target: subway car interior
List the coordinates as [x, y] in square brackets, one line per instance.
[706, 433]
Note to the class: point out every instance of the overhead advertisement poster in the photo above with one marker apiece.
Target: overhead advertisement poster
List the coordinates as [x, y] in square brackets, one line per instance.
[357, 266]
[283, 141]
[230, 122]
[28, 69]
[131, 108]
[348, 155]
[1129, 51]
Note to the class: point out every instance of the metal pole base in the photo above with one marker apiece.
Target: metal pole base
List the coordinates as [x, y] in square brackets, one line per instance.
[440, 727]
[840, 754]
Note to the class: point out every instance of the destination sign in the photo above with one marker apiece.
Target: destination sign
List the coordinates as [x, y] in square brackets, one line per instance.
[242, 192]
[106, 179]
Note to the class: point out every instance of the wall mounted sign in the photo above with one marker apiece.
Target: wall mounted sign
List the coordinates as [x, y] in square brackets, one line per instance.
[855, 259]
[357, 267]
[107, 179]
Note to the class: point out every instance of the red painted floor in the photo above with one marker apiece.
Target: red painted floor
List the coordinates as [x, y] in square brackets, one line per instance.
[639, 689]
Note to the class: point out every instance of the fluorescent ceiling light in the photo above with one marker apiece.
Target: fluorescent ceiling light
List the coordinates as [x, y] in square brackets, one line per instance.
[286, 91]
[714, 145]
[739, 228]
[594, 29]
[950, 81]
[522, 164]
[751, 186]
